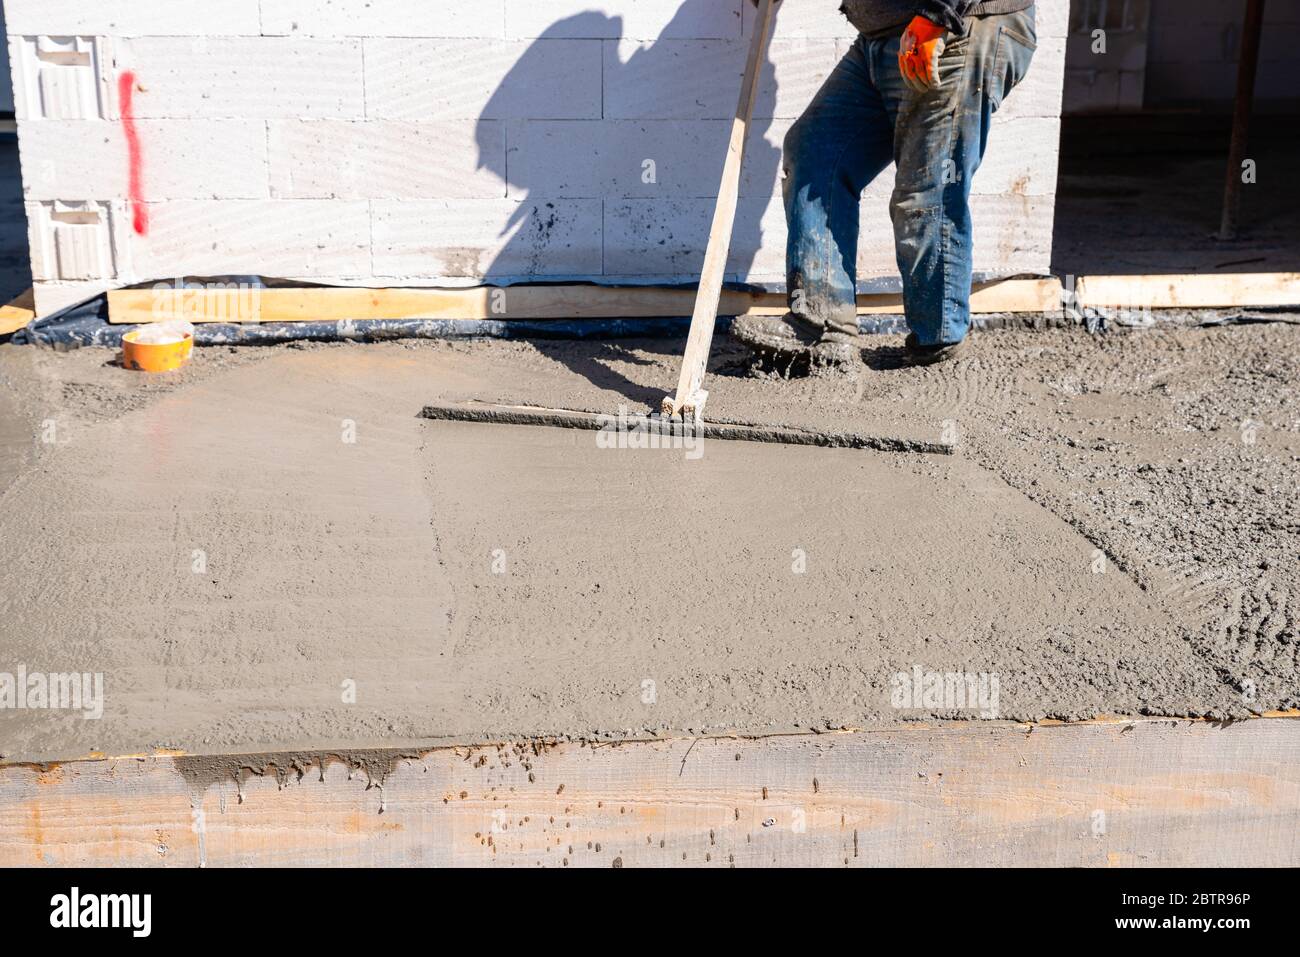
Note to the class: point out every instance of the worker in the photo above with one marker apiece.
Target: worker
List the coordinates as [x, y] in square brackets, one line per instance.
[918, 87]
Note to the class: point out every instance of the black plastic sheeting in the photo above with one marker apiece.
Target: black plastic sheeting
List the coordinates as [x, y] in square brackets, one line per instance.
[70, 332]
[80, 325]
[86, 324]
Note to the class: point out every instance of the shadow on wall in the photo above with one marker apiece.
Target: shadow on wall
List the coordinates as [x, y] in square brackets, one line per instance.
[630, 193]
[15, 260]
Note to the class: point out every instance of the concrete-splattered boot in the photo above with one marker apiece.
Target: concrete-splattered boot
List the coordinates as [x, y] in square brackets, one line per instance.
[792, 338]
[915, 354]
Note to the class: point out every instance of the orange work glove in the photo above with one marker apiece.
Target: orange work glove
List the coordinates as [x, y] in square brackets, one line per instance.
[918, 54]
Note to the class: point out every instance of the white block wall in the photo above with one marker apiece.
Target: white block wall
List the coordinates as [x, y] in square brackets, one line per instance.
[389, 142]
[1106, 72]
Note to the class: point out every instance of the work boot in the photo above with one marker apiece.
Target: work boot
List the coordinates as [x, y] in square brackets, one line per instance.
[915, 354]
[835, 348]
[792, 337]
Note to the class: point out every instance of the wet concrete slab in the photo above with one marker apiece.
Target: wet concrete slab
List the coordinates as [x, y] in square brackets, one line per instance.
[281, 553]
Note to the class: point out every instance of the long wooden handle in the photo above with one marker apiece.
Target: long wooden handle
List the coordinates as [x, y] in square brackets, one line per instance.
[724, 219]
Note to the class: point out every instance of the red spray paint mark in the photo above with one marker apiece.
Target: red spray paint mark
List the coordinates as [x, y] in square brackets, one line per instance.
[126, 98]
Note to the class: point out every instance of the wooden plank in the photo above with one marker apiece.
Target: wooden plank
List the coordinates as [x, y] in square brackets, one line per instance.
[1195, 291]
[700, 338]
[18, 313]
[133, 306]
[1014, 295]
[1143, 792]
[1191, 291]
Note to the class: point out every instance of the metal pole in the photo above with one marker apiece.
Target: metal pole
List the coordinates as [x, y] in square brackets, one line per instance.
[1247, 67]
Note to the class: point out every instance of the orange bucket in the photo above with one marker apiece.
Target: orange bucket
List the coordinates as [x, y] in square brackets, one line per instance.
[152, 357]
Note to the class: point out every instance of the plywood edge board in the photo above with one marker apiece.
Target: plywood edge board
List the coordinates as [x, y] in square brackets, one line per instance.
[18, 313]
[1191, 291]
[542, 302]
[1177, 793]
[239, 305]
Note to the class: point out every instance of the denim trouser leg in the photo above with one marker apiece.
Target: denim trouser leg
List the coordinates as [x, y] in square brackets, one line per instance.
[839, 145]
[866, 115]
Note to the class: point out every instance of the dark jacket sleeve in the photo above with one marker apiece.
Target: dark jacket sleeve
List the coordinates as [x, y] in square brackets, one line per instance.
[946, 13]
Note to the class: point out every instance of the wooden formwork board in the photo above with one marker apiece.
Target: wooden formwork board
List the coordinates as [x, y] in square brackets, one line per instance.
[563, 301]
[1144, 792]
[131, 306]
[18, 313]
[1196, 291]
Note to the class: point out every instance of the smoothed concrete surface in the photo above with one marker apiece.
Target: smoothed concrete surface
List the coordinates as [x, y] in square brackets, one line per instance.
[245, 548]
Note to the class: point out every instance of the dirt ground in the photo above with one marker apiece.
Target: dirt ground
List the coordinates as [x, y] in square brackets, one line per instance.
[270, 549]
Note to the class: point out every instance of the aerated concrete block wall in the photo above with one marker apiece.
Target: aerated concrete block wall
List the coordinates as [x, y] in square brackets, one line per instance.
[386, 142]
[1106, 56]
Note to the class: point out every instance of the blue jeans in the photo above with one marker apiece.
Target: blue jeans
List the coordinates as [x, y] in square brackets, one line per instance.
[863, 117]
